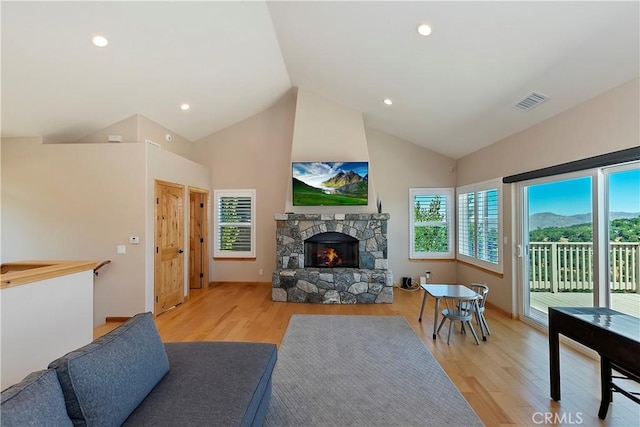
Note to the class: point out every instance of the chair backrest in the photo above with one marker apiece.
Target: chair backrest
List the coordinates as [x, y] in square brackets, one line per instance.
[481, 289]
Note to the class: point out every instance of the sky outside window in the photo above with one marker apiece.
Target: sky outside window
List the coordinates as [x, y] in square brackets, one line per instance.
[567, 198]
[624, 191]
[573, 197]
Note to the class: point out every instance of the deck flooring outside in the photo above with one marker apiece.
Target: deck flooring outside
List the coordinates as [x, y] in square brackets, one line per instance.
[624, 303]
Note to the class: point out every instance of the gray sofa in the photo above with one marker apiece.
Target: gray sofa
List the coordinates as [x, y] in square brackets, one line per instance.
[129, 377]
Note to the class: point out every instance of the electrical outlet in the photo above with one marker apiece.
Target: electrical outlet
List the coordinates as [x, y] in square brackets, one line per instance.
[260, 272]
[428, 276]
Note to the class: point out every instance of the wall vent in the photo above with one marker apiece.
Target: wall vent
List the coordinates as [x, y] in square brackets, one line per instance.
[532, 100]
[152, 143]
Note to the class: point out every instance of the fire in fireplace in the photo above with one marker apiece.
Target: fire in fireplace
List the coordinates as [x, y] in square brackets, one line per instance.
[331, 249]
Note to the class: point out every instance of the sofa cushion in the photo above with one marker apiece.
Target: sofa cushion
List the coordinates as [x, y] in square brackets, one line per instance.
[104, 381]
[35, 401]
[211, 383]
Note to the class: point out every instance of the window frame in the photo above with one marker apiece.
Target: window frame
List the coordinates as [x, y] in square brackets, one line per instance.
[217, 224]
[481, 187]
[449, 195]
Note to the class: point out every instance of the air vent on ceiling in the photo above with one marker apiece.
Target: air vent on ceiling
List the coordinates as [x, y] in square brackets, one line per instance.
[532, 100]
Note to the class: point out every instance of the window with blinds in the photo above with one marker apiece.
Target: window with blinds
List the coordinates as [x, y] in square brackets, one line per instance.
[234, 223]
[431, 223]
[480, 224]
[466, 224]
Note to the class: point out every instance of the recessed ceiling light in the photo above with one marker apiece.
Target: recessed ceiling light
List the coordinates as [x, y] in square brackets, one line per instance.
[185, 107]
[388, 101]
[424, 30]
[100, 41]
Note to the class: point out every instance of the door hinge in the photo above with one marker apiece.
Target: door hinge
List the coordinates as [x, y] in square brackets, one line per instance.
[202, 205]
[157, 250]
[156, 298]
[201, 275]
[202, 240]
[157, 200]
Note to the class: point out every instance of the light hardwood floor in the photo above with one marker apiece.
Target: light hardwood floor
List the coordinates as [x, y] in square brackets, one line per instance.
[505, 380]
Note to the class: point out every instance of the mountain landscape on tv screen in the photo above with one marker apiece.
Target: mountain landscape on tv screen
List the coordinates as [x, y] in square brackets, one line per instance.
[346, 187]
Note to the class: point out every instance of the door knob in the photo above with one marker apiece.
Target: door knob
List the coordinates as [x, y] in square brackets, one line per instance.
[180, 251]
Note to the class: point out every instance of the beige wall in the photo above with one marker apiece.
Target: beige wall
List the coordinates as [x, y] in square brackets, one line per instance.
[139, 128]
[166, 166]
[604, 124]
[127, 129]
[78, 202]
[398, 166]
[263, 143]
[253, 154]
[148, 129]
[328, 132]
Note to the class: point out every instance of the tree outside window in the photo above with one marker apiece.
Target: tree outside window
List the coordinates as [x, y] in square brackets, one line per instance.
[431, 223]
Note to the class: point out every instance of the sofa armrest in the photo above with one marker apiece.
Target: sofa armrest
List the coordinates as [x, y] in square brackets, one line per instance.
[37, 400]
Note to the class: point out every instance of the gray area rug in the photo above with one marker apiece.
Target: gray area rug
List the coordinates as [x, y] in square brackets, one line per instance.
[361, 371]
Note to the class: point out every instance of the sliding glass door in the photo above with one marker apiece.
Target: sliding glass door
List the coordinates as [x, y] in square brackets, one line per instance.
[557, 251]
[580, 241]
[623, 209]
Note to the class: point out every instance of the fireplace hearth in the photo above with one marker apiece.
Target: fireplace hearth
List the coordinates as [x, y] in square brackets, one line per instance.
[332, 259]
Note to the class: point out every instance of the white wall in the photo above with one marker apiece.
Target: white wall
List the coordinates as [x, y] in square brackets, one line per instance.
[606, 123]
[42, 321]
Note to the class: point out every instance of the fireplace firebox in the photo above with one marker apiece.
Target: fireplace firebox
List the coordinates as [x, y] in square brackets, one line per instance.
[331, 249]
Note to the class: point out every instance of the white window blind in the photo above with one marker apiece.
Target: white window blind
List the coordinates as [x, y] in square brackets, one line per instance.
[480, 224]
[235, 223]
[431, 223]
[488, 226]
[466, 223]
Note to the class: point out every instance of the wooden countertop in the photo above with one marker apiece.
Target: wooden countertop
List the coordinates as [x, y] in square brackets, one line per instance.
[22, 272]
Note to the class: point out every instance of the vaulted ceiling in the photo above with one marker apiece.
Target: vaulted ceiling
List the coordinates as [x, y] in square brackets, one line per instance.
[453, 91]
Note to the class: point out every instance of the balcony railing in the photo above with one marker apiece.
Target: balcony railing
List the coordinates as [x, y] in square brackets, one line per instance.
[568, 266]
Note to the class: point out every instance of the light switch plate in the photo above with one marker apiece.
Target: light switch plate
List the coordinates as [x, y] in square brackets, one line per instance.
[134, 240]
[122, 249]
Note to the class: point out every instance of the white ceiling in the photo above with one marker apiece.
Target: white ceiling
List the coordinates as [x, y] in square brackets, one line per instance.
[453, 91]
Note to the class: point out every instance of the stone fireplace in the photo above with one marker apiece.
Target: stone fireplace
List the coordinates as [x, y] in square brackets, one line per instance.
[332, 259]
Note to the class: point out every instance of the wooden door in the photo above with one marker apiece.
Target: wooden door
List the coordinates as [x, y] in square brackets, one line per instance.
[169, 246]
[198, 238]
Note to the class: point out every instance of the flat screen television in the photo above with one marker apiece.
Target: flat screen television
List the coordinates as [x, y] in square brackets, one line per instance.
[330, 183]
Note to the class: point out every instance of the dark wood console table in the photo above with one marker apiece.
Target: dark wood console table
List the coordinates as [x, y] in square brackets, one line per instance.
[614, 335]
